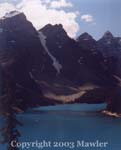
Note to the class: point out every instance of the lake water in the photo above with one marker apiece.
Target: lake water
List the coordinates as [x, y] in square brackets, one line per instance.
[70, 123]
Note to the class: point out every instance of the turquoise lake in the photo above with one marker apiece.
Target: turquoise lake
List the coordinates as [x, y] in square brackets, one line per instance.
[69, 123]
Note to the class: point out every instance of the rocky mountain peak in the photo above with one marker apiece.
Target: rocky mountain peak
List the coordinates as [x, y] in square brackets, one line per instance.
[15, 24]
[11, 14]
[108, 35]
[107, 40]
[85, 36]
[56, 26]
[13, 17]
[13, 20]
[55, 30]
[86, 41]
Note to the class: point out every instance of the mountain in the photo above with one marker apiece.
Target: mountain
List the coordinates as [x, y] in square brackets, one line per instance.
[107, 50]
[22, 54]
[95, 59]
[32, 56]
[83, 62]
[110, 47]
[62, 48]
[49, 52]
[79, 59]
[86, 41]
[20, 45]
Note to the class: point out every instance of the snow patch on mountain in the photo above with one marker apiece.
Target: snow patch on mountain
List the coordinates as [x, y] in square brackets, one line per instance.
[56, 64]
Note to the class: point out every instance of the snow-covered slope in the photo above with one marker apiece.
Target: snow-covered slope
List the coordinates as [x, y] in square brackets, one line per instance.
[56, 64]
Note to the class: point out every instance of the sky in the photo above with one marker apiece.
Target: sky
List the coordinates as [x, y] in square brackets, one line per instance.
[76, 16]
